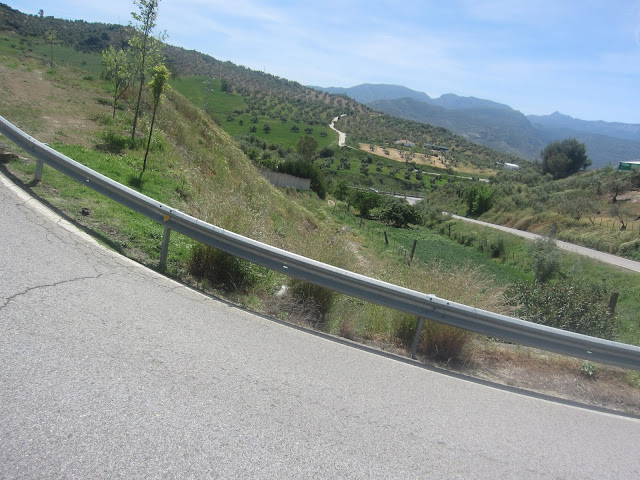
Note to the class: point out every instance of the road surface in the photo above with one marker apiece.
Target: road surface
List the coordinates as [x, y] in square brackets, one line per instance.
[570, 247]
[110, 370]
[342, 137]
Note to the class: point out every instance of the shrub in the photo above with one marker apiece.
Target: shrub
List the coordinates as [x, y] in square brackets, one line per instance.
[115, 143]
[479, 199]
[444, 342]
[566, 305]
[315, 299]
[545, 259]
[404, 329]
[222, 269]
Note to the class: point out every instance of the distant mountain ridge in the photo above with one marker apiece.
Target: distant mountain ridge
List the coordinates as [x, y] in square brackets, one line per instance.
[499, 126]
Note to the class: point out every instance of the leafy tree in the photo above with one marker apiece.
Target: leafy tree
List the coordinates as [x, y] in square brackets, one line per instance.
[564, 158]
[576, 203]
[307, 147]
[266, 128]
[365, 201]
[479, 199]
[616, 183]
[145, 46]
[157, 85]
[341, 190]
[622, 212]
[399, 214]
[117, 66]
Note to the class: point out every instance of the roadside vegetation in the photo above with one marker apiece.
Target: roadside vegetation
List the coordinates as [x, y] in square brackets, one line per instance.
[203, 158]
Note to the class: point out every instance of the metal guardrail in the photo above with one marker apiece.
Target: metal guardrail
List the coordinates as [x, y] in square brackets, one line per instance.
[420, 304]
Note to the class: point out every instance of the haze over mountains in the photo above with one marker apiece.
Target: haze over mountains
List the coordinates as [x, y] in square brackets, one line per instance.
[499, 126]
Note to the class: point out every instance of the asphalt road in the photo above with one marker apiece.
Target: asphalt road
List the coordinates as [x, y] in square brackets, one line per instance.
[109, 370]
[570, 247]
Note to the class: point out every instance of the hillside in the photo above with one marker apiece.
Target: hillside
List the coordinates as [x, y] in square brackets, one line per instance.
[500, 127]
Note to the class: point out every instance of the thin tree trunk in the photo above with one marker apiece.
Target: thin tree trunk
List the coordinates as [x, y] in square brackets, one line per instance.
[135, 117]
[153, 120]
[144, 58]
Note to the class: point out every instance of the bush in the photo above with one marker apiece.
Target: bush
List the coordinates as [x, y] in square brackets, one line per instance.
[315, 299]
[222, 269]
[546, 259]
[479, 199]
[115, 143]
[405, 328]
[444, 342]
[565, 305]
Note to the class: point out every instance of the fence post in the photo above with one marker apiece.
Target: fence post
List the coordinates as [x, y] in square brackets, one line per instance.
[39, 168]
[386, 240]
[413, 250]
[165, 247]
[613, 302]
[416, 337]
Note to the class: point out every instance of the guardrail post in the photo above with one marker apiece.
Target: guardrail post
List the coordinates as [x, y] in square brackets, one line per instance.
[165, 247]
[39, 168]
[416, 337]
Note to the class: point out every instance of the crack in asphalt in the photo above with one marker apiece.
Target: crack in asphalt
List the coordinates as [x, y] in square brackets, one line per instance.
[28, 290]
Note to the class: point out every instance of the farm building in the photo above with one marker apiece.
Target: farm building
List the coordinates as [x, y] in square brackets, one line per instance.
[630, 165]
[406, 143]
[436, 147]
[511, 166]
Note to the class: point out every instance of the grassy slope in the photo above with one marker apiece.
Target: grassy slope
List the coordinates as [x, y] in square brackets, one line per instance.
[195, 165]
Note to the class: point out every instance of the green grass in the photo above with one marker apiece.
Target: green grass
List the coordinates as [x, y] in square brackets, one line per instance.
[223, 106]
[14, 46]
[115, 225]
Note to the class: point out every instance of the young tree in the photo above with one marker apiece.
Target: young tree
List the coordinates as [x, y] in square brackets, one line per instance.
[365, 201]
[307, 147]
[51, 36]
[117, 65]
[576, 203]
[157, 85]
[616, 183]
[341, 190]
[144, 46]
[564, 158]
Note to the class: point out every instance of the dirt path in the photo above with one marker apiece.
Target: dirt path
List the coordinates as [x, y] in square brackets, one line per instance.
[342, 137]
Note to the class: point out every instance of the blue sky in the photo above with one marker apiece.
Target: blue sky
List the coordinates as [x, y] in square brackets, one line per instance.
[581, 58]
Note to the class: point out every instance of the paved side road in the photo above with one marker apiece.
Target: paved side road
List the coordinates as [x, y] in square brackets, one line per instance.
[109, 370]
[570, 247]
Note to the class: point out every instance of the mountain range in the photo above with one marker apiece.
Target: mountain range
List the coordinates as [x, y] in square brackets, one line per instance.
[499, 126]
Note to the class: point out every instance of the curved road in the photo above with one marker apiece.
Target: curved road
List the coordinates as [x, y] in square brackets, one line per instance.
[570, 247]
[110, 370]
[342, 137]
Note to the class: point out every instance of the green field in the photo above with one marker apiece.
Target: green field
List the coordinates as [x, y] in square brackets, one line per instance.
[230, 111]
